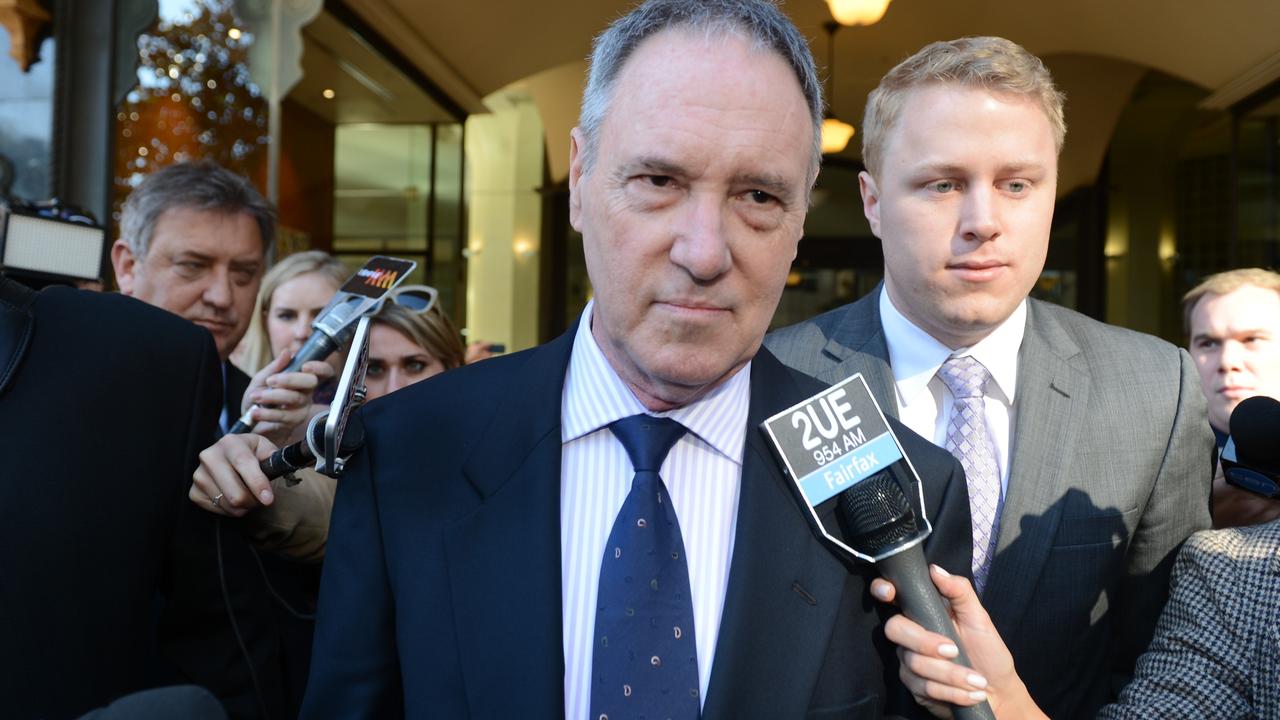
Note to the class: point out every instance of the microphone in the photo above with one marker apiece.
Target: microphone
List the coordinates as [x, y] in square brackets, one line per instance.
[334, 435]
[1251, 457]
[303, 453]
[883, 525]
[360, 296]
[838, 443]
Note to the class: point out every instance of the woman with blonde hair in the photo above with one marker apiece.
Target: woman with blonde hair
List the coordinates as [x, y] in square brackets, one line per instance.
[292, 294]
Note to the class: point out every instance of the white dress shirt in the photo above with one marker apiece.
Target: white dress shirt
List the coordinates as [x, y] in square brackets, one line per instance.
[924, 402]
[702, 474]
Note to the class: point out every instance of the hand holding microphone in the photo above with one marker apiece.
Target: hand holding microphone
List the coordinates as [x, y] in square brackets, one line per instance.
[931, 664]
[838, 447]
[360, 296]
[280, 403]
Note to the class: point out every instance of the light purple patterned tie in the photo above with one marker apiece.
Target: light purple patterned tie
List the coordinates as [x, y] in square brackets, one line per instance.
[969, 441]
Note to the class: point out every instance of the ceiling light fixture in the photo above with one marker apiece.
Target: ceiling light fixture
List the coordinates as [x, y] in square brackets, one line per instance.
[858, 12]
[328, 93]
[835, 132]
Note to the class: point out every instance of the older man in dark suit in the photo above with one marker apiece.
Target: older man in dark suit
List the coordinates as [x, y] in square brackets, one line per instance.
[1085, 446]
[600, 529]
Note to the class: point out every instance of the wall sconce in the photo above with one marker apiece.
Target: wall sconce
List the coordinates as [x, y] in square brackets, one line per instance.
[523, 247]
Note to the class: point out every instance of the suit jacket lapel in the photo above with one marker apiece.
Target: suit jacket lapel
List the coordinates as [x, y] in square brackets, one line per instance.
[509, 547]
[858, 345]
[1051, 399]
[784, 587]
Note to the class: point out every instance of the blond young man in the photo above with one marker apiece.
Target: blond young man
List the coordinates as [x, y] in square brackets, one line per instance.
[1084, 445]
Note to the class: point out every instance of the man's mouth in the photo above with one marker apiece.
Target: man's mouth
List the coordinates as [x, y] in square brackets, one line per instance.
[215, 326]
[692, 307]
[978, 270]
[1236, 392]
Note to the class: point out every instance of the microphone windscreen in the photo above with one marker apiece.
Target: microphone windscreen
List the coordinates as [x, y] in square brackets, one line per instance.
[1255, 429]
[878, 514]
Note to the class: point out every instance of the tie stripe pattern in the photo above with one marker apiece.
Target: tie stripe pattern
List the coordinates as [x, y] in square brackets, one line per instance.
[645, 660]
[970, 442]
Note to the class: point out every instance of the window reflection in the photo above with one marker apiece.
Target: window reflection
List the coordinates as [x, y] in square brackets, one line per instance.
[26, 124]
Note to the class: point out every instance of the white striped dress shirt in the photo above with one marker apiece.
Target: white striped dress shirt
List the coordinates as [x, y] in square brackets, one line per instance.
[702, 474]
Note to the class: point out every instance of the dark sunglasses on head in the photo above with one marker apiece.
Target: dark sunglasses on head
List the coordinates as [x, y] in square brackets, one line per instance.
[415, 298]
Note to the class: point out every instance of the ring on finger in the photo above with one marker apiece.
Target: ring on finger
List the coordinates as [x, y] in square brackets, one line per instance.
[217, 500]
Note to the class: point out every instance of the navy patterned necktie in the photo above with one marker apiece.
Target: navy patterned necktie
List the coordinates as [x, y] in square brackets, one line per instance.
[645, 661]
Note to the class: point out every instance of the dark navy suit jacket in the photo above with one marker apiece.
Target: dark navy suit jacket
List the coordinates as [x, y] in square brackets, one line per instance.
[441, 594]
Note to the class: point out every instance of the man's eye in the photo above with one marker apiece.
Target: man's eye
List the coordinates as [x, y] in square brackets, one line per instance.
[658, 180]
[760, 197]
[1017, 186]
[942, 186]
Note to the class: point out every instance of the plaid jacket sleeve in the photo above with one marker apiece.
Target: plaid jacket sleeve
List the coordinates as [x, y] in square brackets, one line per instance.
[1217, 645]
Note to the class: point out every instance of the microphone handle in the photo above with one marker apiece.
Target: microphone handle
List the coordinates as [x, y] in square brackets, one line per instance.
[287, 459]
[920, 601]
[318, 347]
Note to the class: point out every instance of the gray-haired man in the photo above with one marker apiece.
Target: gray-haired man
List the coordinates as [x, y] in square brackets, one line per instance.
[195, 239]
[508, 577]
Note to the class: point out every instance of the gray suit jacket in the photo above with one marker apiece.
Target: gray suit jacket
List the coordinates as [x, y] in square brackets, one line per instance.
[1108, 476]
[1217, 646]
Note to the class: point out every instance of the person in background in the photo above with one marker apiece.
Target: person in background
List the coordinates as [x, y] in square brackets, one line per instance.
[195, 240]
[1233, 322]
[405, 347]
[290, 298]
[292, 295]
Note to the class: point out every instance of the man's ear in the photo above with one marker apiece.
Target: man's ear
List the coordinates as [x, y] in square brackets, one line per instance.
[575, 178]
[123, 262]
[870, 201]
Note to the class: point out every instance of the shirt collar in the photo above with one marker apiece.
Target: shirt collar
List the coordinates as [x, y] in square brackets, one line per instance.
[594, 396]
[915, 355]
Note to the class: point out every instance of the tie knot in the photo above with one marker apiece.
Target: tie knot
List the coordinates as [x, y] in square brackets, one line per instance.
[647, 439]
[964, 377]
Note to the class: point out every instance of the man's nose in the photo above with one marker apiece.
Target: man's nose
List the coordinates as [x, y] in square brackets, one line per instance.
[701, 245]
[218, 292]
[1231, 356]
[980, 214]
